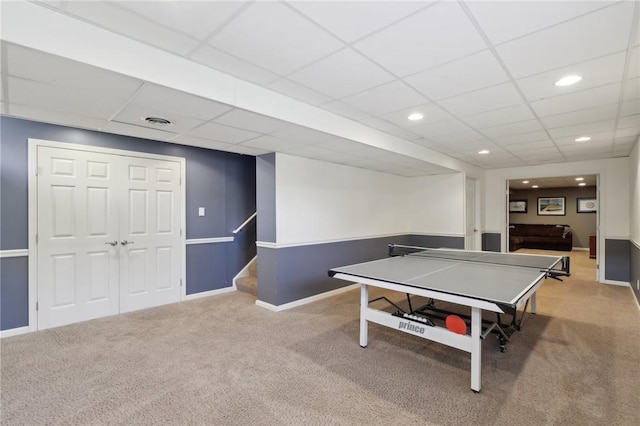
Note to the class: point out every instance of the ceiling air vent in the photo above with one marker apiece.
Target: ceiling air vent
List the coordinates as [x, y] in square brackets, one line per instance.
[158, 121]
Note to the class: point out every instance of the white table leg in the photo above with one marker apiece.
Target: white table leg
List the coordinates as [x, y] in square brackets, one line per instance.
[364, 303]
[533, 303]
[476, 348]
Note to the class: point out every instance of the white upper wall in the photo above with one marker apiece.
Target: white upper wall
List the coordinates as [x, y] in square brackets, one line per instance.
[320, 202]
[435, 204]
[634, 196]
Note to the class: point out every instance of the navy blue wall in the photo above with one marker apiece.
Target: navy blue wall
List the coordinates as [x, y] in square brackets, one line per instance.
[292, 273]
[223, 183]
[617, 262]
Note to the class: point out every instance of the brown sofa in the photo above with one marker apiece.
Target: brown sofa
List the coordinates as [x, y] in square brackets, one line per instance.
[534, 236]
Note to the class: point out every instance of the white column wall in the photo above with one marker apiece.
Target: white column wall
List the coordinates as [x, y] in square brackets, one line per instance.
[323, 202]
[634, 180]
[436, 205]
[613, 195]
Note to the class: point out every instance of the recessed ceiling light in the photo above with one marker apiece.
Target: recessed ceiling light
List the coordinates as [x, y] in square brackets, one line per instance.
[534, 186]
[157, 121]
[582, 184]
[484, 151]
[415, 116]
[583, 139]
[525, 181]
[579, 178]
[568, 80]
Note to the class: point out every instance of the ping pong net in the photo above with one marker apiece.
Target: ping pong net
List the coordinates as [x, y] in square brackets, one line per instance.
[548, 264]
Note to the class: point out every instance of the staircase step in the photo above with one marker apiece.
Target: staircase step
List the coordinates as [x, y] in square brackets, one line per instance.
[248, 285]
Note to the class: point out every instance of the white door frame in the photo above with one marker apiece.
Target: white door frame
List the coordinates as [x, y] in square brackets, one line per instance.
[32, 170]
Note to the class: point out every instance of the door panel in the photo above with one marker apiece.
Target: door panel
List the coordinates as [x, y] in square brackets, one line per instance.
[109, 234]
[77, 217]
[151, 267]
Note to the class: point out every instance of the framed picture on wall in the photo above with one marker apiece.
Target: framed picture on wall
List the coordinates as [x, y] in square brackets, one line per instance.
[551, 206]
[587, 205]
[517, 206]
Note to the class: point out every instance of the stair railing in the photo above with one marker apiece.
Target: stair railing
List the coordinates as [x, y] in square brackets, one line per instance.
[245, 223]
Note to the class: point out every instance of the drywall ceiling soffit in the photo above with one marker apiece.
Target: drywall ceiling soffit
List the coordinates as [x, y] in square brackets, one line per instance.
[484, 83]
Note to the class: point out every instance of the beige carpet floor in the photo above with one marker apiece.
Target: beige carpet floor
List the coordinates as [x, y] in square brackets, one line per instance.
[224, 361]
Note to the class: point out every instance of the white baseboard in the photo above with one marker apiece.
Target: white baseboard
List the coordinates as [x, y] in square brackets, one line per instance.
[580, 248]
[306, 300]
[620, 283]
[14, 331]
[209, 293]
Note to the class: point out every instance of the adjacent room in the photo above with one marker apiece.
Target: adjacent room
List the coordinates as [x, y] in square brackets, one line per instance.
[319, 212]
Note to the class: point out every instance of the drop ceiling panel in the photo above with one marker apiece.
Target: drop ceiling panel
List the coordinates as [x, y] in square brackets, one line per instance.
[598, 72]
[57, 98]
[583, 129]
[126, 23]
[250, 121]
[344, 110]
[386, 98]
[341, 145]
[301, 134]
[463, 75]
[137, 131]
[50, 69]
[593, 35]
[351, 20]
[431, 112]
[271, 35]
[629, 108]
[500, 96]
[584, 99]
[135, 114]
[588, 115]
[634, 62]
[229, 64]
[542, 146]
[630, 121]
[222, 133]
[500, 116]
[269, 143]
[519, 18]
[169, 100]
[512, 129]
[439, 128]
[631, 89]
[522, 138]
[195, 18]
[53, 116]
[445, 34]
[296, 91]
[341, 74]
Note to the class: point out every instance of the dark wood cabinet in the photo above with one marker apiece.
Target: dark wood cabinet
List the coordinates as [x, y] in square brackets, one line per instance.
[592, 246]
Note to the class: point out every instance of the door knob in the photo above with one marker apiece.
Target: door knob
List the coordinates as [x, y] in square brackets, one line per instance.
[112, 243]
[125, 242]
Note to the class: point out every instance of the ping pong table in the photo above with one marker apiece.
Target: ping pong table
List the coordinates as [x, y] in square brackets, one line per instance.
[498, 282]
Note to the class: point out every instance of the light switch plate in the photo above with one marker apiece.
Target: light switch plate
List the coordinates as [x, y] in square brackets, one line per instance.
[200, 211]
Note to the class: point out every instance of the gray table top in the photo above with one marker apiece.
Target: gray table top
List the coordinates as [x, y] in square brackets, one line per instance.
[494, 277]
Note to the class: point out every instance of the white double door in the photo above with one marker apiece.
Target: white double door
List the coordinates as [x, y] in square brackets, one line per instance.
[108, 234]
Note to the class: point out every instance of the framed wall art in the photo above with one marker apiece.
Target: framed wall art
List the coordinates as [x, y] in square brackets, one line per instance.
[586, 205]
[517, 206]
[551, 206]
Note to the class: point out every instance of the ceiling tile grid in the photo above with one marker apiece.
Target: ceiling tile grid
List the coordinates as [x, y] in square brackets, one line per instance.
[481, 73]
